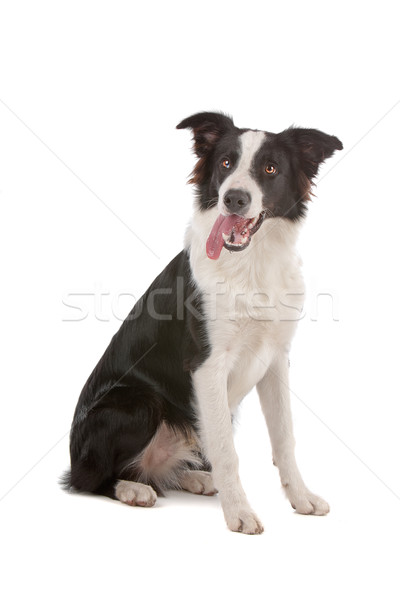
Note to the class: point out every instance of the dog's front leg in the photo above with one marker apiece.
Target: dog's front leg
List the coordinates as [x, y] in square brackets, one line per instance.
[211, 390]
[274, 395]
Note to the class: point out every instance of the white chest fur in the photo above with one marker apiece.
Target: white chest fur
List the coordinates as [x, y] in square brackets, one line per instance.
[252, 299]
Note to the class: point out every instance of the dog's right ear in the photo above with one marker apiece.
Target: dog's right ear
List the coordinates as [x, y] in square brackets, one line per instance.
[208, 128]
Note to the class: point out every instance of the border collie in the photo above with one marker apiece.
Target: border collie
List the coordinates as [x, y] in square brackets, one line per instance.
[156, 412]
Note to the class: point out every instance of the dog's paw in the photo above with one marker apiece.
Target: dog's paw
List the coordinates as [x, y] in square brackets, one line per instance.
[135, 494]
[307, 503]
[244, 521]
[198, 482]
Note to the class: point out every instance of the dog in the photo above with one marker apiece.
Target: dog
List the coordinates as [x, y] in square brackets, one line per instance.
[156, 413]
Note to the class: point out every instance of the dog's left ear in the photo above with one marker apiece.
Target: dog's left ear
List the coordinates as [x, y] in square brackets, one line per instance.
[312, 147]
[208, 128]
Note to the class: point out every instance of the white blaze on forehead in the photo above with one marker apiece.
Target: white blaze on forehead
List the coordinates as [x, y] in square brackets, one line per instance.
[241, 178]
[251, 142]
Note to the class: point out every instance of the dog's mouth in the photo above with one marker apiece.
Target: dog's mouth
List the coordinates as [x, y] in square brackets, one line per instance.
[232, 231]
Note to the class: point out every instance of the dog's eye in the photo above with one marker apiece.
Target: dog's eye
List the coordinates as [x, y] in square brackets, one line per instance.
[226, 163]
[270, 169]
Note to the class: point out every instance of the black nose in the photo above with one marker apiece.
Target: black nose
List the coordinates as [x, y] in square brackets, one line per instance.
[237, 201]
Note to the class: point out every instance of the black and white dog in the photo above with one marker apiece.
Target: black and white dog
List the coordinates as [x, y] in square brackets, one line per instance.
[156, 412]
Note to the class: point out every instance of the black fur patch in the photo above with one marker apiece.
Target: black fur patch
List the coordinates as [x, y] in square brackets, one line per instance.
[143, 378]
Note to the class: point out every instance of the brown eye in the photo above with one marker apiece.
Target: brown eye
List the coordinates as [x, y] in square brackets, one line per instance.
[270, 169]
[226, 163]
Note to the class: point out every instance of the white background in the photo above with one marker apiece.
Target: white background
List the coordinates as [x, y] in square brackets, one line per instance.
[90, 161]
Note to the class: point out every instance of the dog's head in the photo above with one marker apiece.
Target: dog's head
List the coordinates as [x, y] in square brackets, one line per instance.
[252, 175]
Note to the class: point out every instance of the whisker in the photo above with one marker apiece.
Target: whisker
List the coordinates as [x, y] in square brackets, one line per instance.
[212, 201]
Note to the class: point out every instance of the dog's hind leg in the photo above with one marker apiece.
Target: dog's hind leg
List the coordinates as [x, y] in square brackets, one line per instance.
[135, 493]
[198, 482]
[124, 449]
[107, 437]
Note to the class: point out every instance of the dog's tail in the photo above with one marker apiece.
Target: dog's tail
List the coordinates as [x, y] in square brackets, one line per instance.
[65, 480]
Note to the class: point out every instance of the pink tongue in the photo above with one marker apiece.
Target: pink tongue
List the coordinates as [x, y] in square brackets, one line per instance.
[215, 240]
